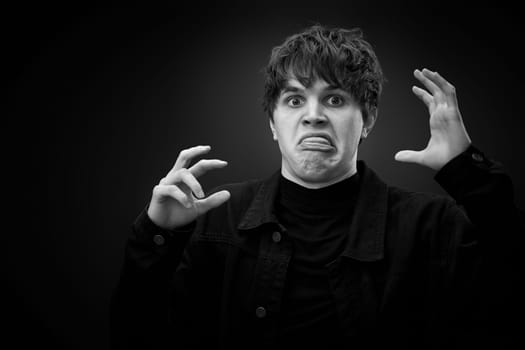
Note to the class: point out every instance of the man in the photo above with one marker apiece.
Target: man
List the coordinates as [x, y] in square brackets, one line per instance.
[323, 253]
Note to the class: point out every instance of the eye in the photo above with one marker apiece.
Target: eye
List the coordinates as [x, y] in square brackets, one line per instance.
[295, 101]
[335, 100]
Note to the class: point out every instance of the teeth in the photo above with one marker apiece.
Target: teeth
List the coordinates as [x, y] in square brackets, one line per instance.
[316, 139]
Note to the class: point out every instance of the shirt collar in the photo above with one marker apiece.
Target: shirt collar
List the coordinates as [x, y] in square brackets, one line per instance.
[366, 235]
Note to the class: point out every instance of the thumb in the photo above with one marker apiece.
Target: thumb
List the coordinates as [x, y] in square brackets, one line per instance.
[213, 201]
[409, 156]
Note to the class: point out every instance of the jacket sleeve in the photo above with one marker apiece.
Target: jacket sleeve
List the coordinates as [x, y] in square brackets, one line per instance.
[140, 304]
[491, 277]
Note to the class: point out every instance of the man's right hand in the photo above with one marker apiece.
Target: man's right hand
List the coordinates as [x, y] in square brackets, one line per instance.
[178, 199]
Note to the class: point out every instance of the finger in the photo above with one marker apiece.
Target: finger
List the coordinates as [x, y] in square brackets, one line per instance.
[213, 201]
[423, 95]
[441, 82]
[409, 156]
[433, 88]
[205, 165]
[184, 176]
[189, 180]
[172, 191]
[186, 155]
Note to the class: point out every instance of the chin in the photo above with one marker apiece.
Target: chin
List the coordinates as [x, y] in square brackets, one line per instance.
[315, 173]
[315, 168]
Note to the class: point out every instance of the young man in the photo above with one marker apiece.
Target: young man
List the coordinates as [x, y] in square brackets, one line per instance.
[323, 253]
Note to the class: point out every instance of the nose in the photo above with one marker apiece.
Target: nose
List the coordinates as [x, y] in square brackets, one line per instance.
[314, 115]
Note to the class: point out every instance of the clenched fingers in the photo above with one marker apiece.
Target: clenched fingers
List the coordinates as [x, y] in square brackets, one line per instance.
[186, 155]
[185, 177]
[198, 169]
[429, 84]
[201, 205]
[205, 165]
[439, 81]
[440, 89]
[213, 201]
[172, 191]
[423, 95]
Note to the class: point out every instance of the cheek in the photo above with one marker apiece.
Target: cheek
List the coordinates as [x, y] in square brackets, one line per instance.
[350, 132]
[284, 129]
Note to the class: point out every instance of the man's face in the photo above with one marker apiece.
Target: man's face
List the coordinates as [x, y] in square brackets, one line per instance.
[318, 130]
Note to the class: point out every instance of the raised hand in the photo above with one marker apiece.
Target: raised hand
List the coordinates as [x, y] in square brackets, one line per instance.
[448, 136]
[178, 198]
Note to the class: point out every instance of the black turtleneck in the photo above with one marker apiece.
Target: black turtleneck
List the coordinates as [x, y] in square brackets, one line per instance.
[317, 221]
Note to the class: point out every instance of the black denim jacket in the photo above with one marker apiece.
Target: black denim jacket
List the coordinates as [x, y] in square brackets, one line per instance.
[418, 270]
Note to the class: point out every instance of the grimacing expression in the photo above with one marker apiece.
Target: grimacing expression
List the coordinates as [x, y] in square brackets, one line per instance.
[318, 129]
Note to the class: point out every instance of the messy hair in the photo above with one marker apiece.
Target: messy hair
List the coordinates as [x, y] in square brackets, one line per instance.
[341, 57]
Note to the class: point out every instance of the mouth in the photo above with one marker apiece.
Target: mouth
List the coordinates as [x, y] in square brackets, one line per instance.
[316, 142]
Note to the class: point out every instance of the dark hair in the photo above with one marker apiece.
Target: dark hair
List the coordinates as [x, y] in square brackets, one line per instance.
[341, 57]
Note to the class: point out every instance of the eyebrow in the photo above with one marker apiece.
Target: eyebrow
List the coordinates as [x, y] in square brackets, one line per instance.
[289, 88]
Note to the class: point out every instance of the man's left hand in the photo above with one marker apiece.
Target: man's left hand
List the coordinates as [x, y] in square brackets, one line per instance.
[448, 136]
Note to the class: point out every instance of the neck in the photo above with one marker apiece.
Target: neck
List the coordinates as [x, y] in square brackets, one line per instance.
[329, 200]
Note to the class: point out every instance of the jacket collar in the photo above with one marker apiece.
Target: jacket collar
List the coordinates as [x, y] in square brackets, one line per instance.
[366, 235]
[262, 208]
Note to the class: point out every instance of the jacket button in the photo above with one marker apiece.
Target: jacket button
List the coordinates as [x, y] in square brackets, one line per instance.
[276, 236]
[260, 312]
[477, 157]
[159, 240]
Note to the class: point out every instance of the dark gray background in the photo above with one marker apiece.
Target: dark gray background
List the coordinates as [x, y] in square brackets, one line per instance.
[106, 97]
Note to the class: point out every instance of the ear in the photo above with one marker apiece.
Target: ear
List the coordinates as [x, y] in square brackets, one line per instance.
[272, 127]
[368, 124]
